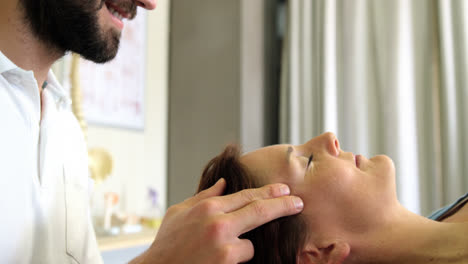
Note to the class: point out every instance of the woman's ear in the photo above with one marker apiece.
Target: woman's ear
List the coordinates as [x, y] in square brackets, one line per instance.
[332, 253]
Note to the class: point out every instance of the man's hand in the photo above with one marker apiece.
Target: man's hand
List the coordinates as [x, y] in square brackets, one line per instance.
[206, 228]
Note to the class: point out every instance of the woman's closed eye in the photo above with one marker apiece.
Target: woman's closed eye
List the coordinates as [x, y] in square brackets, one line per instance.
[311, 157]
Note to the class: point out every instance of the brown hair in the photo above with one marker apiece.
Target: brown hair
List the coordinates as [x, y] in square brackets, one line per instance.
[277, 242]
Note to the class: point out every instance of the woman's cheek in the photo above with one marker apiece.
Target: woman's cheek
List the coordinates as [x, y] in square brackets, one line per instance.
[294, 172]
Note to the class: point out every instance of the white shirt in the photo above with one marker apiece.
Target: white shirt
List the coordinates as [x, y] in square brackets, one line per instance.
[44, 196]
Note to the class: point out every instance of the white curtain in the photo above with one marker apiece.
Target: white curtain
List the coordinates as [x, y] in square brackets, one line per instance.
[388, 77]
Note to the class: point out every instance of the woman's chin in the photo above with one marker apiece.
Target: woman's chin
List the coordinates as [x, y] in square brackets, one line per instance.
[384, 162]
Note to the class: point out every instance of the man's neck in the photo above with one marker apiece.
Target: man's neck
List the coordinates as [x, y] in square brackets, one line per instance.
[412, 239]
[20, 45]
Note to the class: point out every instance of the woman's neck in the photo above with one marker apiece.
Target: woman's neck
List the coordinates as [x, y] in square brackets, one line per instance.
[413, 239]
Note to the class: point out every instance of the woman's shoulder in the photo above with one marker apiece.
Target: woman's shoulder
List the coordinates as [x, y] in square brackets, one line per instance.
[455, 212]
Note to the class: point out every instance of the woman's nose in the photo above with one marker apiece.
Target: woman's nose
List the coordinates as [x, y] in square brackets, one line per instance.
[147, 4]
[331, 143]
[326, 142]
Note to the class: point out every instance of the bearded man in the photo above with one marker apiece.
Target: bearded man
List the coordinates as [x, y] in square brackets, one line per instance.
[43, 157]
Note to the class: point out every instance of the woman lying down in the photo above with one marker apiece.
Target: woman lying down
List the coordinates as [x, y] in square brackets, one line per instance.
[351, 212]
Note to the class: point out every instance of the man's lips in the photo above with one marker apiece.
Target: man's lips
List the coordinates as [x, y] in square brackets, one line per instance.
[124, 9]
[115, 17]
[114, 8]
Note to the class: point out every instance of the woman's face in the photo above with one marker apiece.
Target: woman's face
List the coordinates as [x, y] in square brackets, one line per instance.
[341, 192]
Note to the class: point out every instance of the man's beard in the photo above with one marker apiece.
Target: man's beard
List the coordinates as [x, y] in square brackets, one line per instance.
[72, 25]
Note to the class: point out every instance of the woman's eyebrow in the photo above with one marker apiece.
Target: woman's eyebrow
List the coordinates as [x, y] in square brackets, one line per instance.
[288, 153]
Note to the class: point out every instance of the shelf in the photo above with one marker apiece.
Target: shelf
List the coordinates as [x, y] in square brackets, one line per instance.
[107, 243]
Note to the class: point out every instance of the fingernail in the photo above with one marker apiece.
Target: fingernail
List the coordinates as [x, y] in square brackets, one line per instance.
[220, 180]
[284, 189]
[298, 203]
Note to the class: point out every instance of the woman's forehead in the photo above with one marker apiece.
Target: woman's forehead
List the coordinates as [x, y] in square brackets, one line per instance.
[267, 163]
[266, 154]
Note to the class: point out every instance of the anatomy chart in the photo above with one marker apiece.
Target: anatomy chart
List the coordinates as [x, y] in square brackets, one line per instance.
[113, 93]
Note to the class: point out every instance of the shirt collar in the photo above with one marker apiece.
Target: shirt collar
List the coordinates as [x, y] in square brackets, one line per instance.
[6, 64]
[52, 84]
[56, 88]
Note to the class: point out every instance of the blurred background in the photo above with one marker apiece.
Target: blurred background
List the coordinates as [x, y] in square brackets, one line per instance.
[387, 77]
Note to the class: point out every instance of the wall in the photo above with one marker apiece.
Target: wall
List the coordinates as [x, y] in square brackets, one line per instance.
[204, 94]
[218, 82]
[140, 156]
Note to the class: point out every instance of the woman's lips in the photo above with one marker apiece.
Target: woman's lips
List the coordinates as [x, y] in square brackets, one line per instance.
[358, 160]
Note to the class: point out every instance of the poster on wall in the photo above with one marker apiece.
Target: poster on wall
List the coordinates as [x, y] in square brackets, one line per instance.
[113, 93]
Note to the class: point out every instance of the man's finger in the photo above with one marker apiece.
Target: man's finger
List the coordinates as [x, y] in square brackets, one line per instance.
[235, 201]
[215, 190]
[263, 211]
[243, 250]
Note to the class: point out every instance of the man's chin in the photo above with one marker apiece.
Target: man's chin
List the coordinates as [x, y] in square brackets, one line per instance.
[101, 52]
[100, 59]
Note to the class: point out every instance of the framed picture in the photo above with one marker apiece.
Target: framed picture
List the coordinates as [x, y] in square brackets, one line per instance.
[113, 93]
